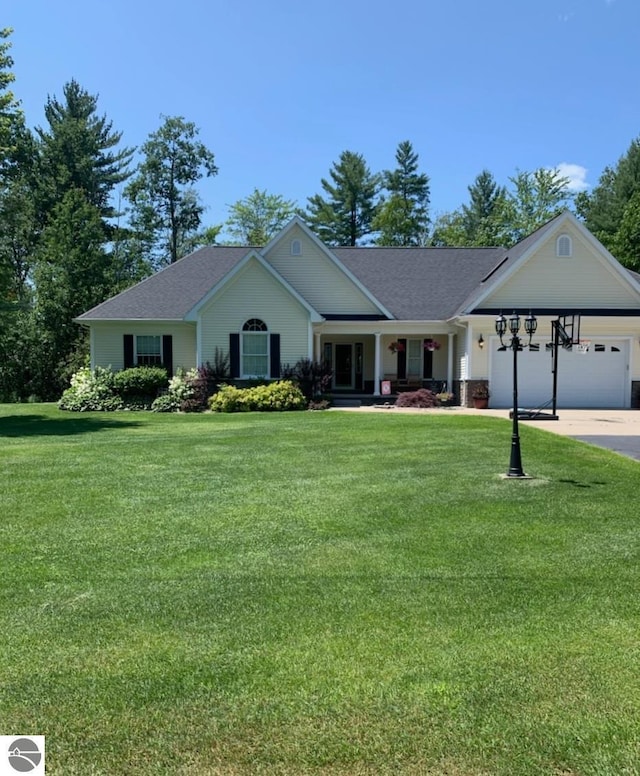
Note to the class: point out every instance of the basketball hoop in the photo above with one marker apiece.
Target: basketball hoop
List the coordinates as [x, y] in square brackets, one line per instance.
[583, 346]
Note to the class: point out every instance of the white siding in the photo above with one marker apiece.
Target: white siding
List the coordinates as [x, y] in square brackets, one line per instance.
[255, 293]
[316, 277]
[108, 348]
[583, 280]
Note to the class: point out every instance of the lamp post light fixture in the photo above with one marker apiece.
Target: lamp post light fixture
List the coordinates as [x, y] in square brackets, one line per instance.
[515, 344]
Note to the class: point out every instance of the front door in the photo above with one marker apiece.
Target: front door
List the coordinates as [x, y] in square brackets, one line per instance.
[343, 366]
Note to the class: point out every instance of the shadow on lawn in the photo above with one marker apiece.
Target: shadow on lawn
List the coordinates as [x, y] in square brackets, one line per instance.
[578, 484]
[41, 425]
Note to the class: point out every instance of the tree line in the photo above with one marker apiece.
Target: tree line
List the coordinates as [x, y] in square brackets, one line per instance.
[79, 221]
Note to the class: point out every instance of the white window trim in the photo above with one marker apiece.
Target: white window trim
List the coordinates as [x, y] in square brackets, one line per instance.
[243, 334]
[135, 346]
[570, 241]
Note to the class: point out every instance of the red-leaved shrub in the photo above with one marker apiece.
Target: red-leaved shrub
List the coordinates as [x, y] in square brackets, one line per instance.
[421, 398]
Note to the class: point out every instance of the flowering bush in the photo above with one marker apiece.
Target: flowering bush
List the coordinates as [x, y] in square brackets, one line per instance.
[91, 390]
[279, 396]
[179, 392]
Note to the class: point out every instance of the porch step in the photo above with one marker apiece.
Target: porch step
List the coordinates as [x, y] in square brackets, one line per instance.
[347, 402]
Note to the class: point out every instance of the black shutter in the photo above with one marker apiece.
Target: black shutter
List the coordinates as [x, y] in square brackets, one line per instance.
[402, 359]
[167, 353]
[127, 343]
[234, 354]
[274, 353]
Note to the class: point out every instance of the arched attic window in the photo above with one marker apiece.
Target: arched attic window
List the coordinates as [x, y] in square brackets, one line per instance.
[296, 248]
[564, 246]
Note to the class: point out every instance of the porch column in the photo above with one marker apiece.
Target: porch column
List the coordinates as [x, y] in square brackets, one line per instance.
[450, 361]
[317, 354]
[376, 367]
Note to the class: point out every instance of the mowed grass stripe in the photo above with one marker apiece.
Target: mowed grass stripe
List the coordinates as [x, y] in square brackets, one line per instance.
[316, 593]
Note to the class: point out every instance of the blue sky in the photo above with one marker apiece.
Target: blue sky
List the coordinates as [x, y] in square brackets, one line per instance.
[279, 89]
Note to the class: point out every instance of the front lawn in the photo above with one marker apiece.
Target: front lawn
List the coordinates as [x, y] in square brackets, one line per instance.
[316, 593]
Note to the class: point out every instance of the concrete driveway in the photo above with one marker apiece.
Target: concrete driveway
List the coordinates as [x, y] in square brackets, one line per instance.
[617, 430]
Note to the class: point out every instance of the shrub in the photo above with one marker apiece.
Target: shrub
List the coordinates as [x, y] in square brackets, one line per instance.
[202, 382]
[91, 391]
[313, 377]
[140, 381]
[421, 398]
[275, 397]
[165, 403]
[221, 367]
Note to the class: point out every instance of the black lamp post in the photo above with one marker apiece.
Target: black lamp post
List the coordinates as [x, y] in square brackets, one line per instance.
[530, 326]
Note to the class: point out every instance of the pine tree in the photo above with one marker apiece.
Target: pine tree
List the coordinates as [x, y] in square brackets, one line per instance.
[78, 151]
[483, 218]
[346, 216]
[403, 217]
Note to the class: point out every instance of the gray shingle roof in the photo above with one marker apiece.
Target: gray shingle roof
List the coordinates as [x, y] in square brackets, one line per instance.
[412, 283]
[172, 292]
[421, 283]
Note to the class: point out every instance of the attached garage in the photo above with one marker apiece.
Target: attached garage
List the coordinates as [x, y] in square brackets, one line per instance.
[597, 378]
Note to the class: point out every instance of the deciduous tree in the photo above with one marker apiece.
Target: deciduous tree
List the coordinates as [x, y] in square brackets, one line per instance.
[166, 209]
[536, 197]
[257, 218]
[610, 210]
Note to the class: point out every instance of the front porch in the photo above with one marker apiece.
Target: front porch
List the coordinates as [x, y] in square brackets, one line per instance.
[382, 364]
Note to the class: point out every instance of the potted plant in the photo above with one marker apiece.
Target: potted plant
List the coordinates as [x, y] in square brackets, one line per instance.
[480, 396]
[445, 398]
[396, 347]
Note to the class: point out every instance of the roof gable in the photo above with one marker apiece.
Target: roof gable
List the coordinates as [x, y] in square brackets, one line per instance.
[319, 275]
[535, 276]
[253, 255]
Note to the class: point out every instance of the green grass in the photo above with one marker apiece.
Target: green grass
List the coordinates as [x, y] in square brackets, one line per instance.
[316, 593]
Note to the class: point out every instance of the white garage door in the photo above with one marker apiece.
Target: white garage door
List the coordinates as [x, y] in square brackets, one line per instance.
[597, 378]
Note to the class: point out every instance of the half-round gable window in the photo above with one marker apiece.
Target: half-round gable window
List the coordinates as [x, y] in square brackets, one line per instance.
[255, 324]
[564, 246]
[296, 248]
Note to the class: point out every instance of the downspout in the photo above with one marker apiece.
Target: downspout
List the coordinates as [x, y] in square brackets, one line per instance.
[376, 368]
[198, 341]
